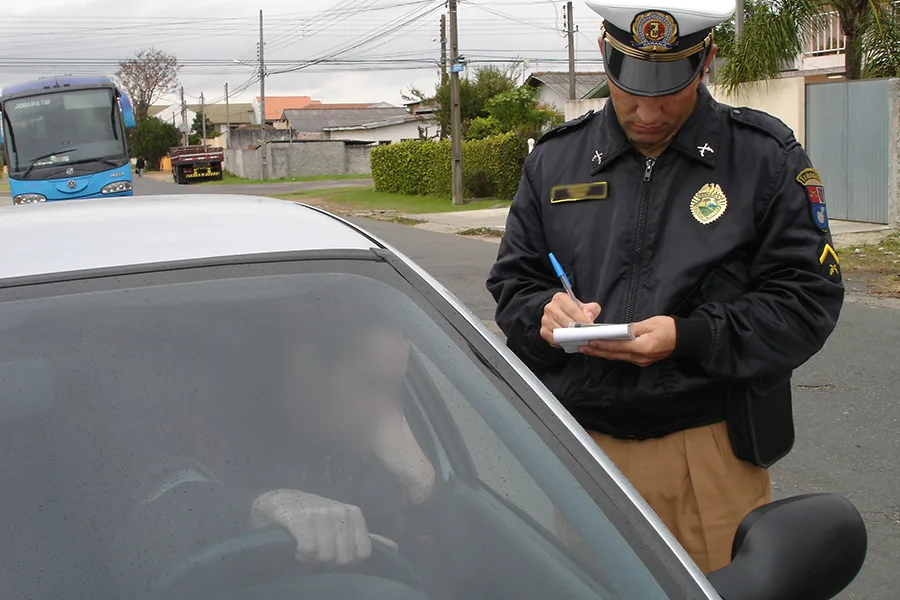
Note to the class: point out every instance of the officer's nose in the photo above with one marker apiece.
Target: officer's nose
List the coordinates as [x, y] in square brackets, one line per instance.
[650, 110]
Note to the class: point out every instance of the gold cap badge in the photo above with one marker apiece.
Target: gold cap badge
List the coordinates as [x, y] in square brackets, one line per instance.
[709, 203]
[654, 31]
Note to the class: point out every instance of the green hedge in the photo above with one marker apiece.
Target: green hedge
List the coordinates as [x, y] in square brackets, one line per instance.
[491, 167]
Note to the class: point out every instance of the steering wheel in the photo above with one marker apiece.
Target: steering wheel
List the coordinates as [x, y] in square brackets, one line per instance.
[267, 554]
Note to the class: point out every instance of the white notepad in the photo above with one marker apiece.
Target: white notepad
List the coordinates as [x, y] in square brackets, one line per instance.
[572, 338]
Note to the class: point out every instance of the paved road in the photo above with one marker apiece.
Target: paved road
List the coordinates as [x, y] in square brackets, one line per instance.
[846, 402]
[150, 186]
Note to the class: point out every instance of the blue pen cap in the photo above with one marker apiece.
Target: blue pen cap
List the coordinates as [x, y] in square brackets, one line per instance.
[557, 267]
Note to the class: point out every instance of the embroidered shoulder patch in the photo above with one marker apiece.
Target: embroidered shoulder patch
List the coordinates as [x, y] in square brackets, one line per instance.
[809, 179]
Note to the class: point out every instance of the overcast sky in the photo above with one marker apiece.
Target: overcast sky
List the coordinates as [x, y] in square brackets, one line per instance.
[385, 45]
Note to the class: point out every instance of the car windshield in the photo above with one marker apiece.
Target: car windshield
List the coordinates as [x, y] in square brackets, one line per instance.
[145, 419]
[51, 130]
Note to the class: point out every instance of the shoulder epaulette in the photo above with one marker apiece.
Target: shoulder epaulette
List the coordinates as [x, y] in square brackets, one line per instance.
[766, 123]
[567, 127]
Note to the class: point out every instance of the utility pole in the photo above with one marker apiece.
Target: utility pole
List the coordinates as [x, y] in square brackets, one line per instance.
[570, 30]
[203, 118]
[262, 93]
[738, 20]
[455, 117]
[443, 50]
[184, 127]
[227, 119]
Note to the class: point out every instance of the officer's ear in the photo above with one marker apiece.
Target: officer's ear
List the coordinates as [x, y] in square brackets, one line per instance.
[708, 62]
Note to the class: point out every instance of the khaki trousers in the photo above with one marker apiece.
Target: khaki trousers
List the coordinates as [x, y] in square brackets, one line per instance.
[696, 485]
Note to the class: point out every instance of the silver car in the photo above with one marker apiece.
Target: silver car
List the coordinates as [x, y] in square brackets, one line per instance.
[235, 397]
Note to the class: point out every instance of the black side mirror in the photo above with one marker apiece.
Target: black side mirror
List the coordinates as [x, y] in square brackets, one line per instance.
[802, 548]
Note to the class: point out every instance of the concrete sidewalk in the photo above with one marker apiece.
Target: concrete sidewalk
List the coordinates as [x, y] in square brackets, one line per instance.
[493, 219]
[845, 233]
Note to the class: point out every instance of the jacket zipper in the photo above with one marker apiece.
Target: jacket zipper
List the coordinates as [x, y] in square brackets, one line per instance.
[639, 240]
[636, 265]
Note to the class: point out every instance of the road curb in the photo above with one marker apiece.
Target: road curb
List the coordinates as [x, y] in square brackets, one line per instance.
[457, 229]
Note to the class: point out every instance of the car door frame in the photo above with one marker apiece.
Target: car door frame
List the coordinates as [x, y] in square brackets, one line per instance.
[661, 552]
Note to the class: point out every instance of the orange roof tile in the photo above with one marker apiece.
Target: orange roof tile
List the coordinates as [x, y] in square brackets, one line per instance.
[276, 105]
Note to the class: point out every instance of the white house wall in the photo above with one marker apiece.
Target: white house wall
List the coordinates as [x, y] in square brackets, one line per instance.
[547, 96]
[391, 133]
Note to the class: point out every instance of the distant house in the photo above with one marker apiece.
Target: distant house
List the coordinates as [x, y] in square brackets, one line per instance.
[422, 107]
[381, 123]
[218, 115]
[552, 88]
[236, 114]
[276, 105]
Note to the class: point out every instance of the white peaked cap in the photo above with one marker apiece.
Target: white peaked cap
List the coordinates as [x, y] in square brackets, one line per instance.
[692, 16]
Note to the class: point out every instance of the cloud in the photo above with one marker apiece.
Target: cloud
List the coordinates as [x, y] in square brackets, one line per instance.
[208, 37]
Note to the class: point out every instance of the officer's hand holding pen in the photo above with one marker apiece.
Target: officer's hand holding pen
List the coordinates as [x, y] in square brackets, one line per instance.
[564, 308]
[562, 311]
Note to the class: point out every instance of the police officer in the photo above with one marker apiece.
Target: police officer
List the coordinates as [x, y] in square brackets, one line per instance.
[705, 227]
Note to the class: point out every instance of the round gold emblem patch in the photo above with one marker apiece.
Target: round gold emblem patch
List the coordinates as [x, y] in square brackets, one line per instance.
[654, 31]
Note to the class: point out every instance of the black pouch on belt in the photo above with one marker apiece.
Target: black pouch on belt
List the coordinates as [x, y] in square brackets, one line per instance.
[761, 419]
[758, 411]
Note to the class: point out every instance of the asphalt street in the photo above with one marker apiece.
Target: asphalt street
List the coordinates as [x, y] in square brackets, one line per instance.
[847, 401]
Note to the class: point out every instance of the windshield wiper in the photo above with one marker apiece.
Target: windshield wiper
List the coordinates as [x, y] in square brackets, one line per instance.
[34, 161]
[105, 161]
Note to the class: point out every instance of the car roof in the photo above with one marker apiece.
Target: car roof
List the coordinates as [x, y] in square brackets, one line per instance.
[77, 235]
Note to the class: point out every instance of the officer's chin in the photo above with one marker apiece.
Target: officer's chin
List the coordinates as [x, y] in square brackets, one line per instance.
[646, 140]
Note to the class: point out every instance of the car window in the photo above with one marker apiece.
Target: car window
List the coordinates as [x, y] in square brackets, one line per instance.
[145, 419]
[496, 466]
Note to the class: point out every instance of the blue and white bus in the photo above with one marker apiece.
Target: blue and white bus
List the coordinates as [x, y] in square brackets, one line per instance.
[65, 139]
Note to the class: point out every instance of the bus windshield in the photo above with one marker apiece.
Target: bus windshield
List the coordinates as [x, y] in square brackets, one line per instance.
[46, 131]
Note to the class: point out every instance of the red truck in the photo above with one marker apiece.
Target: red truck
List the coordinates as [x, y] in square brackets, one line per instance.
[196, 163]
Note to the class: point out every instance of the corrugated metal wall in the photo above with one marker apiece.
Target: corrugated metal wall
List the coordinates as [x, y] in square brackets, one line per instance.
[848, 131]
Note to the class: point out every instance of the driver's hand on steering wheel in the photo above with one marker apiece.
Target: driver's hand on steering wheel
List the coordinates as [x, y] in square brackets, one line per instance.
[326, 532]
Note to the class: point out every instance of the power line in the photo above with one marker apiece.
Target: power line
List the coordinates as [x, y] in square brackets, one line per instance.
[392, 29]
[363, 26]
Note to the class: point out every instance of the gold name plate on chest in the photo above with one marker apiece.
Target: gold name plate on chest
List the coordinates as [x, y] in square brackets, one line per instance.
[576, 192]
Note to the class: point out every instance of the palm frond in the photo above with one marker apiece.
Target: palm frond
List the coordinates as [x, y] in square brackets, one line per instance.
[773, 36]
[881, 42]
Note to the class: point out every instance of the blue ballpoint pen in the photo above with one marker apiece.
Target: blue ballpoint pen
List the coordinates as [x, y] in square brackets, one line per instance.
[563, 279]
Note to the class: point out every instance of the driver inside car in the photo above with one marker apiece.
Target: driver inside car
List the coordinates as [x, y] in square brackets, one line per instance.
[320, 448]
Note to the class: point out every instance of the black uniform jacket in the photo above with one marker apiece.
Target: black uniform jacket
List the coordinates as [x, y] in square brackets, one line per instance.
[726, 231]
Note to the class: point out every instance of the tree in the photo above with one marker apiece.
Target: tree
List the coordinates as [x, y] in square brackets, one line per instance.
[882, 44]
[483, 127]
[519, 112]
[146, 77]
[774, 32]
[196, 136]
[474, 93]
[152, 139]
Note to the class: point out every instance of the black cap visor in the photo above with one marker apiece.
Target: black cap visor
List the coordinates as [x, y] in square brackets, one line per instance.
[651, 78]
